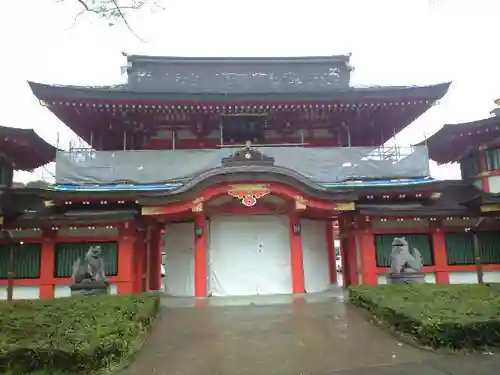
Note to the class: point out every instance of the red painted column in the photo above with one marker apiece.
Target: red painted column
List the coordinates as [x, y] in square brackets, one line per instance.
[346, 253]
[332, 264]
[147, 260]
[368, 256]
[297, 261]
[350, 260]
[139, 261]
[155, 258]
[47, 266]
[440, 259]
[126, 246]
[200, 256]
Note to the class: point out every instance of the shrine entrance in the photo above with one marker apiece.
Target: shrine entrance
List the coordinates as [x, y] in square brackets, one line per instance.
[249, 255]
[249, 239]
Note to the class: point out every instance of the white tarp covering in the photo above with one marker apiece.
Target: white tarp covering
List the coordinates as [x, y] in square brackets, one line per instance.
[315, 256]
[179, 259]
[249, 255]
[320, 164]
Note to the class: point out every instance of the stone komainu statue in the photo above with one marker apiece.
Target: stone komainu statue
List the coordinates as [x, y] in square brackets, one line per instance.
[405, 265]
[90, 269]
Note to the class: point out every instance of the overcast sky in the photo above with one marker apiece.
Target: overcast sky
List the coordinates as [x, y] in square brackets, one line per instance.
[393, 42]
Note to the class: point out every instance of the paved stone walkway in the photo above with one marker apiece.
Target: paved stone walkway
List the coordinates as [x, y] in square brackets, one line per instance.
[310, 336]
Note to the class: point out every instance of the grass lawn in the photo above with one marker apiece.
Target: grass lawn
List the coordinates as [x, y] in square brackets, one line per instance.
[73, 335]
[453, 316]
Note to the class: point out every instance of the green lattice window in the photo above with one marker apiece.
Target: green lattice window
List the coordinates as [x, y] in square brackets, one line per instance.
[383, 247]
[27, 260]
[493, 159]
[460, 248]
[67, 253]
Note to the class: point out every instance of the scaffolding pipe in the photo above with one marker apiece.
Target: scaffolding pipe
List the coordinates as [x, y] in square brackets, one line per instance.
[221, 132]
[348, 134]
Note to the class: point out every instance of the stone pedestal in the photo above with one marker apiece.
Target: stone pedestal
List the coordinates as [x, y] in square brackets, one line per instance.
[406, 278]
[93, 288]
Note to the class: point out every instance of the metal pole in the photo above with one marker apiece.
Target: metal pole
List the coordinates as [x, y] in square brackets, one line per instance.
[10, 274]
[477, 255]
[348, 131]
[396, 148]
[477, 259]
[221, 131]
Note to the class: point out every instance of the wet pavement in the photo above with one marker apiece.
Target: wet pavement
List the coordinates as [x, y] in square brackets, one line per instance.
[317, 334]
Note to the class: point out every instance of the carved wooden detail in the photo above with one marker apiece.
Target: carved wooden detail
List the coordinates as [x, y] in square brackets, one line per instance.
[248, 155]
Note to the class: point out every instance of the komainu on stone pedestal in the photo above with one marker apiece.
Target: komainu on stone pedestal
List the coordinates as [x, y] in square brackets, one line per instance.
[405, 265]
[89, 277]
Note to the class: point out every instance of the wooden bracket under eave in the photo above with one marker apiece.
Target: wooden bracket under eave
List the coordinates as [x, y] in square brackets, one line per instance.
[48, 203]
[344, 206]
[300, 203]
[489, 207]
[198, 207]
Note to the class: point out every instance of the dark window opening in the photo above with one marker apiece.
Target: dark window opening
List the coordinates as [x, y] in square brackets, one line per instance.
[6, 172]
[239, 129]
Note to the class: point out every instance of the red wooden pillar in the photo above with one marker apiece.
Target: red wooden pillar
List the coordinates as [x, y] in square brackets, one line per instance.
[200, 255]
[126, 246]
[147, 259]
[155, 258]
[440, 259]
[139, 261]
[47, 266]
[297, 261]
[347, 253]
[351, 260]
[332, 258]
[368, 258]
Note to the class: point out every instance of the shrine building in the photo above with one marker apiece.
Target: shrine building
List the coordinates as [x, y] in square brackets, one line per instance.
[238, 174]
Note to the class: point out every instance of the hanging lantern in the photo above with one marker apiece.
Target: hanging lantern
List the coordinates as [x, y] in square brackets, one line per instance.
[198, 231]
[296, 228]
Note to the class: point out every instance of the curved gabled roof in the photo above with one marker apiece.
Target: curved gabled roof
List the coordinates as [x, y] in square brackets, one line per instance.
[455, 141]
[25, 148]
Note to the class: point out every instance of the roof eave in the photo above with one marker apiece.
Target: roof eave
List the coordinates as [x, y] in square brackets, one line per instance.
[429, 93]
[133, 58]
[34, 139]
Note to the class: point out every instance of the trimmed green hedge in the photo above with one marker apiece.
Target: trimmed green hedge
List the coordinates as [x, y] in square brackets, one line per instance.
[72, 335]
[453, 316]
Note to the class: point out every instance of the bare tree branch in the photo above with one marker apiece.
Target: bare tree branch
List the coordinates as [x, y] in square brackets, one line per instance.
[85, 6]
[112, 9]
[125, 20]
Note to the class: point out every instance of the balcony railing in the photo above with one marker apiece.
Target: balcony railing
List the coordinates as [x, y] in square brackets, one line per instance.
[321, 165]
